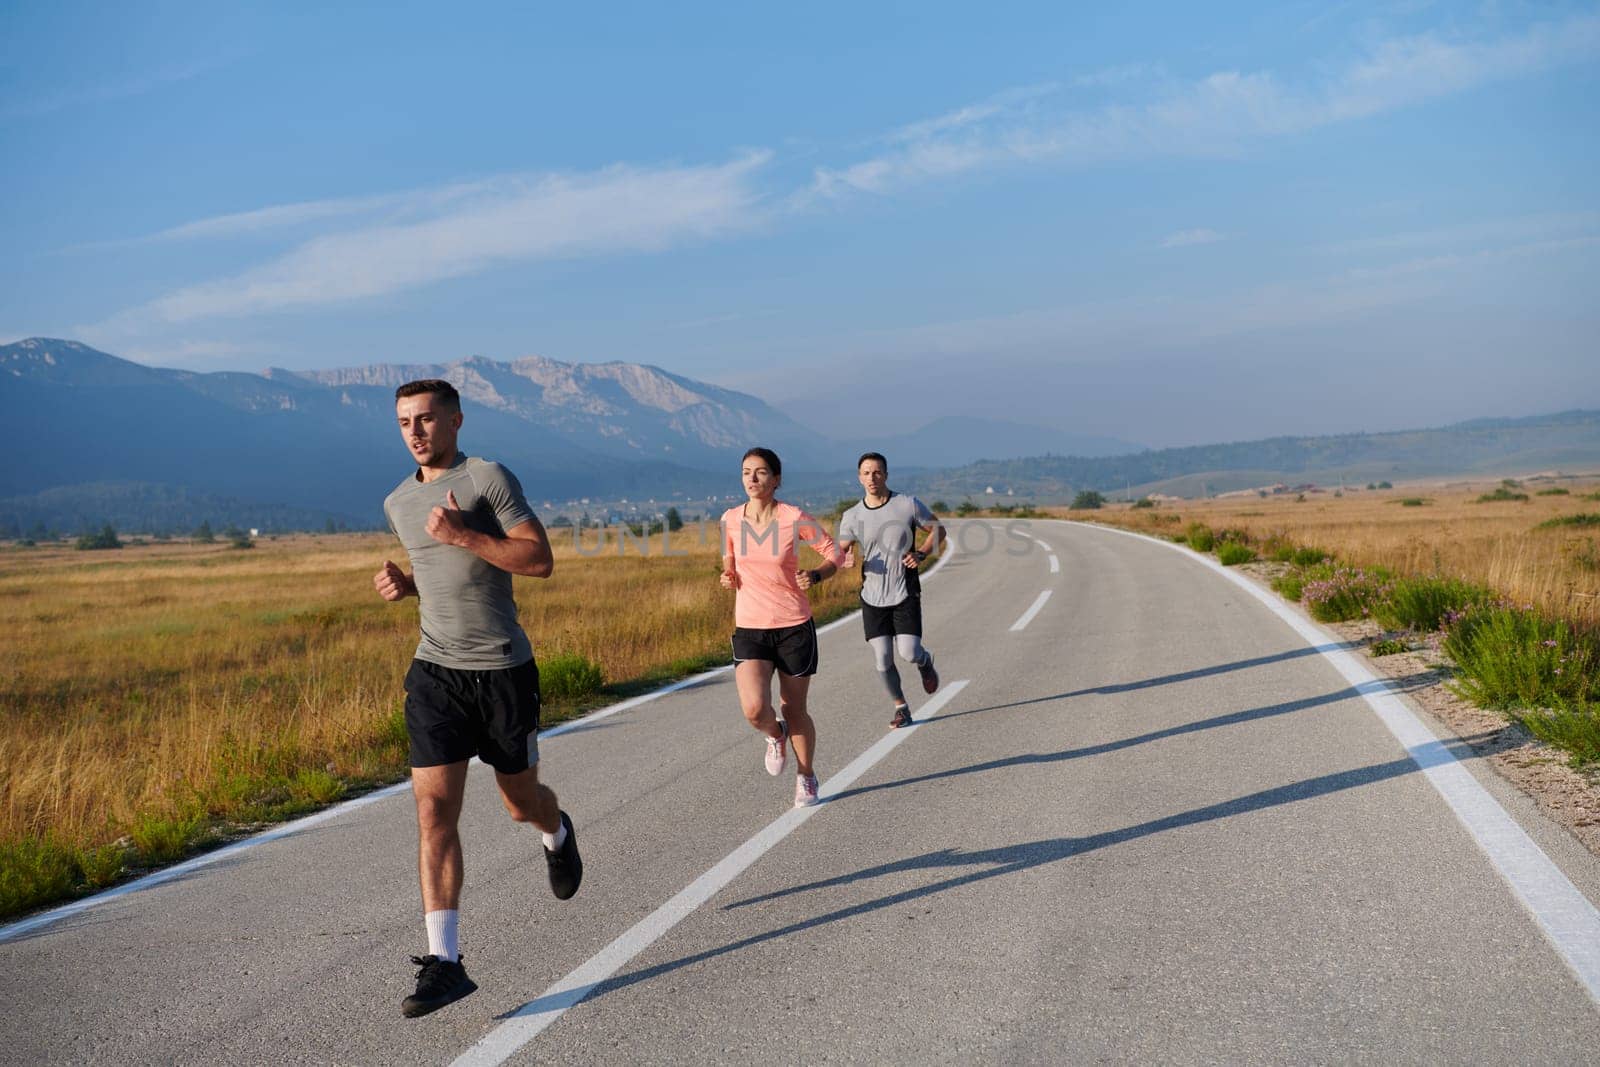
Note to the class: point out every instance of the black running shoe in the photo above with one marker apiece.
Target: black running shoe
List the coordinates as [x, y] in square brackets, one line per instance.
[566, 866]
[902, 717]
[440, 982]
[930, 677]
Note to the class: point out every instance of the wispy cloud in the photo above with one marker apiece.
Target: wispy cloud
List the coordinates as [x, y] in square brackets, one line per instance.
[49, 102]
[1217, 115]
[1183, 238]
[470, 228]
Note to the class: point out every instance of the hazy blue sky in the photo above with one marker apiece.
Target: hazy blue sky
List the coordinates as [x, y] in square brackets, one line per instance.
[1171, 223]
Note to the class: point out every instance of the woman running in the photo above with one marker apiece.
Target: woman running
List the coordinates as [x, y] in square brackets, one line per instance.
[773, 628]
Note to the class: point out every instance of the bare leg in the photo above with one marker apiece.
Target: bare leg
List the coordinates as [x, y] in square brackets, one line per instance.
[802, 731]
[529, 800]
[438, 792]
[753, 678]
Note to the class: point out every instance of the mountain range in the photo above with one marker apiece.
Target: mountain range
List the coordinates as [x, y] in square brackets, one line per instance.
[147, 446]
[158, 450]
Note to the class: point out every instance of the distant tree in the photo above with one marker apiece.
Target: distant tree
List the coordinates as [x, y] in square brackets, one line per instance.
[1088, 500]
[674, 520]
[106, 538]
[939, 507]
[965, 508]
[330, 526]
[561, 521]
[238, 538]
[1372, 485]
[203, 534]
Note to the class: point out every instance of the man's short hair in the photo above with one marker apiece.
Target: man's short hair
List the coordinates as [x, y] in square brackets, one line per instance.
[873, 455]
[437, 386]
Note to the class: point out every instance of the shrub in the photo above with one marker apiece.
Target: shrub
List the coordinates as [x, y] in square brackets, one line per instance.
[1290, 586]
[203, 535]
[1511, 657]
[1572, 727]
[1558, 491]
[965, 508]
[1232, 553]
[1200, 537]
[1422, 604]
[1390, 647]
[1347, 593]
[1582, 518]
[1501, 493]
[569, 676]
[1411, 501]
[1309, 557]
[1385, 485]
[106, 538]
[1144, 502]
[1088, 500]
[162, 839]
[34, 873]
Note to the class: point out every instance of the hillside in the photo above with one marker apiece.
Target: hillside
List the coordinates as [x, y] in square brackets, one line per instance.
[1568, 440]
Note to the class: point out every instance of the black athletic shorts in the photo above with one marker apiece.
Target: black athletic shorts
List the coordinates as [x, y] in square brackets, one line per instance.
[792, 648]
[453, 715]
[904, 618]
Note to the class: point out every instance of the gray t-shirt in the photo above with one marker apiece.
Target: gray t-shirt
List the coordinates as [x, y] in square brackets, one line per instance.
[469, 619]
[885, 534]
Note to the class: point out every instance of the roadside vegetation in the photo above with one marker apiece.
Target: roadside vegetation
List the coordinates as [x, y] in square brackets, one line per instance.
[165, 698]
[1513, 596]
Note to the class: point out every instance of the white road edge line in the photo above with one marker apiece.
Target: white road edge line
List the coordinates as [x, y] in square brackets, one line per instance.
[1568, 919]
[1027, 616]
[532, 1018]
[17, 929]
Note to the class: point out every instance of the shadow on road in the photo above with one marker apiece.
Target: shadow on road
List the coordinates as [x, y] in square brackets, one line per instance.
[1231, 719]
[981, 864]
[1165, 679]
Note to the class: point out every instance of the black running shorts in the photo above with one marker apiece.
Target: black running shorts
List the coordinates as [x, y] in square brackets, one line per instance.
[453, 715]
[792, 648]
[904, 618]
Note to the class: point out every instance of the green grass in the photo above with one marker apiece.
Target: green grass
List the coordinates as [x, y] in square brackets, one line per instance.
[1516, 658]
[1423, 603]
[1573, 728]
[569, 676]
[1232, 553]
[1290, 585]
[1389, 647]
[1200, 537]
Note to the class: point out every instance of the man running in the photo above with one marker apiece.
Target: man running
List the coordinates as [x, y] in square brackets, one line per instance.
[473, 688]
[885, 525]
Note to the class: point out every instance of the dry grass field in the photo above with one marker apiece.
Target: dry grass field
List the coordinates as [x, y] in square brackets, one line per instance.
[1499, 544]
[157, 695]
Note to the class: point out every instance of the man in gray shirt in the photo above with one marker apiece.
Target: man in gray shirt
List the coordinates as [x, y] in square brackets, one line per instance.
[473, 688]
[884, 524]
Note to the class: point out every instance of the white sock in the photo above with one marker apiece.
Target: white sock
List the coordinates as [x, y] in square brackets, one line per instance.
[442, 936]
[556, 840]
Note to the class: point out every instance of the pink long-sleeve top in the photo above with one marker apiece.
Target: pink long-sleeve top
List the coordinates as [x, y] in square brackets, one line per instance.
[765, 559]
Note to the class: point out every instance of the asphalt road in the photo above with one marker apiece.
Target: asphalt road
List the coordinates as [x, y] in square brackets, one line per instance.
[1150, 825]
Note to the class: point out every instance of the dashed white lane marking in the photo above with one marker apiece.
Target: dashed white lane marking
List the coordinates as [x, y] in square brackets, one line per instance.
[288, 829]
[1027, 616]
[1568, 919]
[1055, 564]
[528, 1021]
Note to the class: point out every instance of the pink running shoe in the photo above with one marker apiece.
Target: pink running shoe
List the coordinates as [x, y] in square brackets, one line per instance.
[805, 790]
[778, 750]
